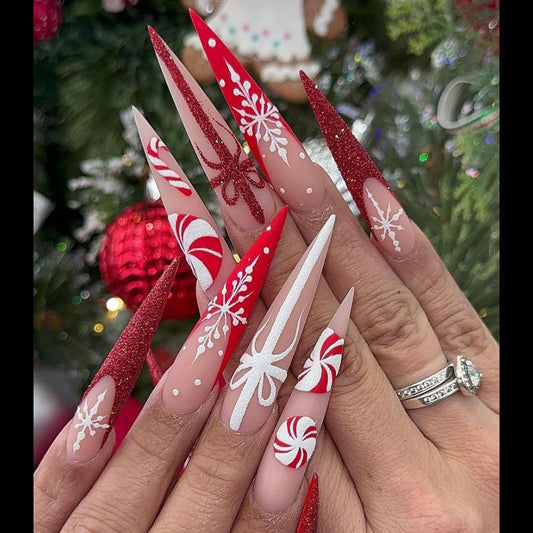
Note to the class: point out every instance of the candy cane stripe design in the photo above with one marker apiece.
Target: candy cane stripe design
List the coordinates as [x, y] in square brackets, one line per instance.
[322, 366]
[201, 246]
[152, 151]
[295, 441]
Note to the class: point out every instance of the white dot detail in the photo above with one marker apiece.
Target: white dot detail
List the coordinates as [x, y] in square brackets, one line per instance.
[197, 382]
[266, 250]
[221, 352]
[211, 42]
[302, 155]
[222, 83]
[175, 392]
[308, 190]
[282, 190]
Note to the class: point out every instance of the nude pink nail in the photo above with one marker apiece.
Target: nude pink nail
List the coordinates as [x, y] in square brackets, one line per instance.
[278, 151]
[292, 444]
[243, 193]
[378, 205]
[198, 236]
[263, 367]
[209, 346]
[112, 385]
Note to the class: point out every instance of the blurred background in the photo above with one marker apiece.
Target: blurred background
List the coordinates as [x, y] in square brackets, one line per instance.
[417, 80]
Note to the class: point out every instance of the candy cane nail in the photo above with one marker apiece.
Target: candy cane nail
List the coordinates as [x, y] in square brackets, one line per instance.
[377, 203]
[280, 154]
[201, 241]
[207, 349]
[106, 395]
[263, 367]
[231, 173]
[282, 467]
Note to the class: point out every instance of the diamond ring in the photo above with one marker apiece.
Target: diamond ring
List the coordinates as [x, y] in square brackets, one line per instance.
[461, 375]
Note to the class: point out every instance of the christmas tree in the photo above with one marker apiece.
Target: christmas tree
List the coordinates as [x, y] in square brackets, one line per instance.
[417, 79]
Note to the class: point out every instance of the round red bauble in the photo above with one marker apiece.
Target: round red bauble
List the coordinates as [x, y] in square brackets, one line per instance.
[47, 19]
[136, 248]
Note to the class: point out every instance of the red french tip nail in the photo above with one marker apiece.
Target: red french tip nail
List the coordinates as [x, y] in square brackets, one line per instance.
[125, 360]
[309, 516]
[353, 161]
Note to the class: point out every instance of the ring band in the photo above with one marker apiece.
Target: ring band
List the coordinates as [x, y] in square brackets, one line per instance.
[461, 375]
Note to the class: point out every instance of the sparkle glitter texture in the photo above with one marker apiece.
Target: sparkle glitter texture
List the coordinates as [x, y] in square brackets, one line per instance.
[309, 517]
[125, 360]
[240, 175]
[354, 163]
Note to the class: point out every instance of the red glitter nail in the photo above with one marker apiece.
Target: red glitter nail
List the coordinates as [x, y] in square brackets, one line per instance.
[353, 161]
[238, 176]
[309, 517]
[125, 360]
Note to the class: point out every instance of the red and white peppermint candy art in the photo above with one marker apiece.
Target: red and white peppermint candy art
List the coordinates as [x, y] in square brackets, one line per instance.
[152, 152]
[295, 441]
[201, 246]
[322, 366]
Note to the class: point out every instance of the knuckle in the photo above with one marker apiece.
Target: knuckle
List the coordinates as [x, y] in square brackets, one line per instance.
[392, 320]
[101, 515]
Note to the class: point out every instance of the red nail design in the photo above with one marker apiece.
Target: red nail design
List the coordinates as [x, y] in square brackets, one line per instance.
[118, 373]
[309, 516]
[295, 441]
[235, 176]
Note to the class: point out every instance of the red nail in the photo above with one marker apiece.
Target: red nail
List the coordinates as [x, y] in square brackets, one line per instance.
[309, 516]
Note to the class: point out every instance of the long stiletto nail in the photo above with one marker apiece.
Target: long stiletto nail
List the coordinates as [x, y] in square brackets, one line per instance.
[112, 385]
[232, 174]
[205, 353]
[377, 203]
[278, 151]
[309, 515]
[282, 466]
[263, 367]
[198, 236]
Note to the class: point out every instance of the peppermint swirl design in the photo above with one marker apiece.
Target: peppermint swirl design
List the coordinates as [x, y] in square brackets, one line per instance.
[295, 441]
[201, 246]
[322, 366]
[152, 151]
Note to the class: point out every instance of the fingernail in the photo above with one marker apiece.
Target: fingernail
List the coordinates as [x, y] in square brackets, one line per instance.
[280, 154]
[263, 367]
[207, 349]
[198, 236]
[282, 467]
[113, 383]
[243, 193]
[377, 204]
[309, 515]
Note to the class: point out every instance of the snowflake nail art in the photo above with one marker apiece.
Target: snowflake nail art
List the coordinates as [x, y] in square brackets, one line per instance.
[385, 222]
[89, 421]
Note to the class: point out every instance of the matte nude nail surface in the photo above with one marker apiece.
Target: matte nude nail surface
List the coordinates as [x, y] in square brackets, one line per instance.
[197, 234]
[263, 367]
[276, 148]
[207, 349]
[113, 383]
[377, 203]
[243, 193]
[283, 464]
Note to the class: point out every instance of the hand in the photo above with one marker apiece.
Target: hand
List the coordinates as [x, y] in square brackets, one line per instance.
[382, 465]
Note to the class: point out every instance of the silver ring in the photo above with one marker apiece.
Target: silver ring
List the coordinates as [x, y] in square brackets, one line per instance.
[461, 375]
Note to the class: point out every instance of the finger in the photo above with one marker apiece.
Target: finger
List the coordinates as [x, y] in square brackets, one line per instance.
[59, 485]
[82, 446]
[458, 327]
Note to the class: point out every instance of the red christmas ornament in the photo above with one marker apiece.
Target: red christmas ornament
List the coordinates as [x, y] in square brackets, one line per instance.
[136, 248]
[47, 19]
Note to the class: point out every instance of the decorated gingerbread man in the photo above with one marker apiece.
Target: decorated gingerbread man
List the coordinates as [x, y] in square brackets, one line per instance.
[271, 37]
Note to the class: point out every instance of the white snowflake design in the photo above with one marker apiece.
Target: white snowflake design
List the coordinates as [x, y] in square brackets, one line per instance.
[263, 118]
[89, 421]
[227, 311]
[386, 222]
